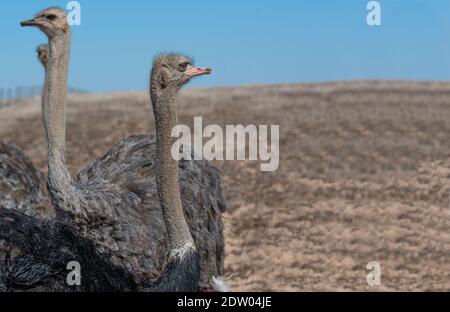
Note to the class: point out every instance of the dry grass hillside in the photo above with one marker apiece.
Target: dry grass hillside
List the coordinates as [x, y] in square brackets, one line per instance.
[364, 175]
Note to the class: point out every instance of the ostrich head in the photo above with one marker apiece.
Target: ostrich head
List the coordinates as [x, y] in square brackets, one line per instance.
[42, 53]
[52, 21]
[172, 71]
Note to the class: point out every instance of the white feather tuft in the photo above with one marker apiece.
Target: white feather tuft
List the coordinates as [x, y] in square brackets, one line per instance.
[219, 285]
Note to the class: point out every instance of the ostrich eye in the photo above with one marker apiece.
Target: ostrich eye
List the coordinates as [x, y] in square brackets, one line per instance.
[51, 17]
[183, 66]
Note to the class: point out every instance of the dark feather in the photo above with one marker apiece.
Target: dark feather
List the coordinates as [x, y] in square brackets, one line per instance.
[35, 255]
[123, 215]
[22, 186]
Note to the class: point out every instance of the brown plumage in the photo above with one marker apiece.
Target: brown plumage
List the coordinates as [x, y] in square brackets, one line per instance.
[115, 201]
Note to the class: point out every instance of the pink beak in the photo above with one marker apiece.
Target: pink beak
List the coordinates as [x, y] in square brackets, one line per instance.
[198, 71]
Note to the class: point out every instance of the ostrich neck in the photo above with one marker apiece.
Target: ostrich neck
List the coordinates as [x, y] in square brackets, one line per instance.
[167, 176]
[54, 110]
[44, 98]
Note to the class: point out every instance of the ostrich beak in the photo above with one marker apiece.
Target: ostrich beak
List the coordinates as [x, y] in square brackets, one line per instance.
[31, 22]
[198, 71]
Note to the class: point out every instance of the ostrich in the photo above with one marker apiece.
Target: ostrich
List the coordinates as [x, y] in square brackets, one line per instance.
[170, 72]
[116, 201]
[42, 53]
[22, 185]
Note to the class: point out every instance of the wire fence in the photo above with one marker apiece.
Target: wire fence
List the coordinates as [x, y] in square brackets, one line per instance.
[11, 94]
[8, 94]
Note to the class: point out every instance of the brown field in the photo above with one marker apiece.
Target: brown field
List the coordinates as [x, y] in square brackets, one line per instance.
[364, 175]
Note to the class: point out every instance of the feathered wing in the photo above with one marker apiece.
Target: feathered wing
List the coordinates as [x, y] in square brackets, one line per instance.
[22, 185]
[128, 170]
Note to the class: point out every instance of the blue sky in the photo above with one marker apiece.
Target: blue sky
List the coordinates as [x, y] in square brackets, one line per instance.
[244, 41]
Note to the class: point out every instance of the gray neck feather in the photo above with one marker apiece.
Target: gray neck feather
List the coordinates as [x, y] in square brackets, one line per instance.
[54, 112]
[44, 99]
[164, 108]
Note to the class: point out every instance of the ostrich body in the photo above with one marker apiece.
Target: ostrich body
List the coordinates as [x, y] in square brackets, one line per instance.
[124, 202]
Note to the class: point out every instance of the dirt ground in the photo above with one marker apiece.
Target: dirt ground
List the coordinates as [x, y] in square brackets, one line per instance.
[364, 176]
